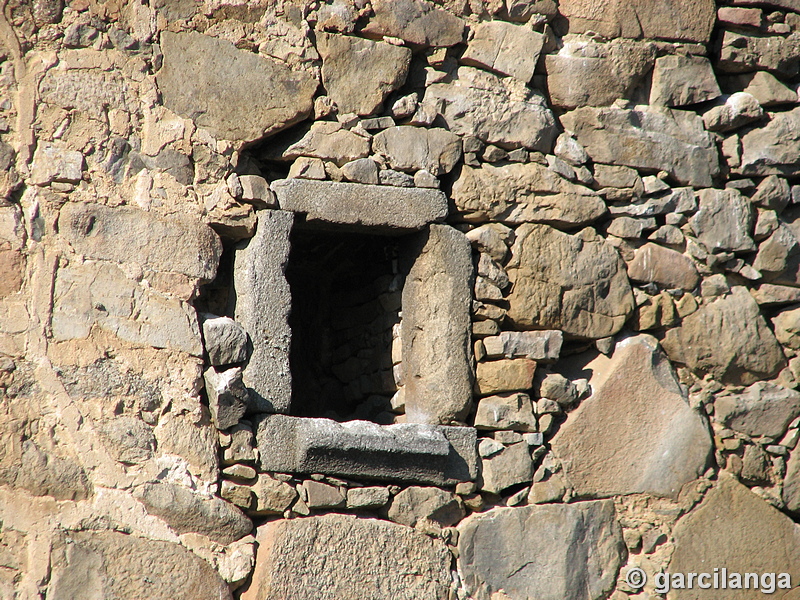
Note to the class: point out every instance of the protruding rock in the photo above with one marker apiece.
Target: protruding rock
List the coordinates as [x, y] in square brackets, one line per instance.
[55, 164]
[505, 375]
[513, 552]
[670, 140]
[330, 557]
[741, 53]
[506, 411]
[413, 148]
[683, 80]
[512, 465]
[224, 339]
[636, 433]
[358, 74]
[557, 278]
[773, 149]
[505, 48]
[416, 503]
[543, 346]
[668, 268]
[763, 409]
[501, 111]
[724, 221]
[236, 94]
[327, 140]
[727, 338]
[738, 110]
[227, 396]
[416, 21]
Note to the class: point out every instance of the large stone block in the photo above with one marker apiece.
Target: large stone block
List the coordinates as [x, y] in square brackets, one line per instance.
[548, 552]
[124, 234]
[418, 22]
[437, 357]
[262, 306]
[331, 557]
[773, 148]
[236, 94]
[413, 148]
[506, 48]
[671, 140]
[740, 53]
[383, 207]
[763, 409]
[637, 432]
[105, 565]
[408, 452]
[681, 20]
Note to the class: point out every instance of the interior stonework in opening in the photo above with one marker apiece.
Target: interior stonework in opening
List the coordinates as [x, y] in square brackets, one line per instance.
[346, 300]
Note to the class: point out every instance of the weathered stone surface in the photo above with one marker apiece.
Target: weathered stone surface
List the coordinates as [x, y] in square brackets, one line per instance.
[12, 269]
[724, 221]
[791, 485]
[52, 163]
[523, 193]
[667, 268]
[437, 367]
[130, 235]
[773, 149]
[736, 528]
[186, 511]
[765, 88]
[727, 338]
[504, 375]
[683, 80]
[516, 551]
[224, 340]
[322, 495]
[235, 94]
[108, 564]
[537, 345]
[557, 281]
[778, 256]
[227, 396]
[500, 111]
[128, 439]
[763, 409]
[772, 193]
[416, 503]
[608, 71]
[408, 452]
[670, 140]
[512, 465]
[506, 411]
[741, 53]
[367, 497]
[682, 20]
[358, 74]
[413, 148]
[330, 557]
[255, 190]
[636, 433]
[101, 294]
[384, 207]
[361, 170]
[327, 140]
[416, 21]
[272, 496]
[739, 109]
[506, 48]
[259, 281]
[787, 327]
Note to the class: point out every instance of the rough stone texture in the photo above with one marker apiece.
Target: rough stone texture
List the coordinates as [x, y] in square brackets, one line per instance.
[327, 140]
[224, 340]
[772, 149]
[667, 268]
[408, 452]
[227, 396]
[523, 193]
[507, 411]
[514, 552]
[738, 110]
[504, 376]
[501, 111]
[128, 439]
[367, 497]
[415, 503]
[543, 346]
[358, 74]
[673, 141]
[766, 89]
[736, 528]
[385, 207]
[741, 53]
[259, 281]
[763, 409]
[330, 557]
[512, 465]
[636, 433]
[557, 280]
[684, 20]
[235, 94]
[791, 485]
[508, 49]
[51, 163]
[272, 496]
[787, 327]
[172, 244]
[609, 71]
[187, 511]
[413, 148]
[107, 565]
[101, 294]
[724, 221]
[682, 80]
[416, 21]
[727, 338]
[436, 327]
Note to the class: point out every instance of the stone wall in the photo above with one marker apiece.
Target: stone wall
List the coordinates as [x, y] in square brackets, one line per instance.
[408, 299]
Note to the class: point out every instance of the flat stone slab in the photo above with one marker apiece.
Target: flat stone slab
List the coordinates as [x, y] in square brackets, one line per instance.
[377, 206]
[406, 452]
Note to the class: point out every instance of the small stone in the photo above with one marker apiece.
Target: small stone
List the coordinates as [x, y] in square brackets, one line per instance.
[225, 340]
[410, 149]
[559, 388]
[683, 80]
[55, 164]
[493, 154]
[242, 472]
[508, 49]
[544, 346]
[504, 376]
[511, 466]
[739, 109]
[724, 221]
[667, 268]
[489, 447]
[773, 192]
[227, 396]
[377, 123]
[763, 409]
[569, 150]
[559, 166]
[416, 503]
[405, 106]
[240, 495]
[630, 228]
[367, 497]
[508, 411]
[424, 179]
[255, 190]
[551, 489]
[305, 167]
[272, 496]
[362, 170]
[322, 495]
[395, 178]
